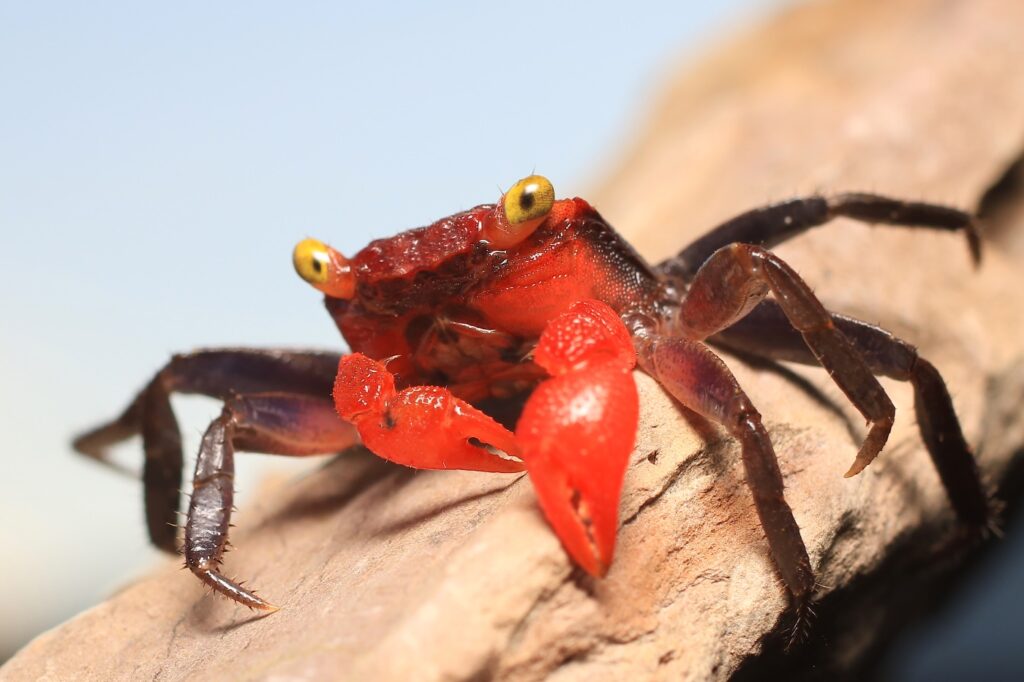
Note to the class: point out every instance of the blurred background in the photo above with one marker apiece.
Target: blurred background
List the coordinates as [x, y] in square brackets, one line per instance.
[157, 165]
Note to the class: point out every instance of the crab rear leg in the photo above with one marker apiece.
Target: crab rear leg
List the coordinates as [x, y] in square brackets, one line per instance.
[578, 428]
[766, 332]
[217, 373]
[769, 226]
[424, 427]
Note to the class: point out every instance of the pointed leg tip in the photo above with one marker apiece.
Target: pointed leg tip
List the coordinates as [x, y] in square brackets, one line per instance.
[859, 465]
[873, 444]
[803, 622]
[80, 445]
[974, 243]
[88, 445]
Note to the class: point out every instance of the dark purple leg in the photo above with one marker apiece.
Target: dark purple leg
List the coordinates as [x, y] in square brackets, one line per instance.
[771, 225]
[275, 423]
[699, 380]
[766, 332]
[218, 374]
[738, 277]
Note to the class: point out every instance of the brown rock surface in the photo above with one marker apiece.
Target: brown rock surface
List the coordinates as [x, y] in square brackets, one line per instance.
[391, 574]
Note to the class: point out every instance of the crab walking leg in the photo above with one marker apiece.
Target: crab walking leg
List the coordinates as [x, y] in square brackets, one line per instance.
[578, 428]
[767, 333]
[769, 226]
[217, 373]
[736, 278]
[699, 380]
[423, 427]
[273, 423]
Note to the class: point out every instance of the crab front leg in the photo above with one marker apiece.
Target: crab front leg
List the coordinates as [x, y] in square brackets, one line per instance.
[423, 427]
[273, 423]
[578, 428]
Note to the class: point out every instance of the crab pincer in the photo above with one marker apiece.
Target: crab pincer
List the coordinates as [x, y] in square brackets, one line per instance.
[424, 427]
[578, 428]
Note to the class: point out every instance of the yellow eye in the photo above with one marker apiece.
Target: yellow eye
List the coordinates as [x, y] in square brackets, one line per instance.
[312, 261]
[324, 268]
[529, 199]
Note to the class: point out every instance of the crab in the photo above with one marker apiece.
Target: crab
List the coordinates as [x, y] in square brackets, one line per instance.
[539, 297]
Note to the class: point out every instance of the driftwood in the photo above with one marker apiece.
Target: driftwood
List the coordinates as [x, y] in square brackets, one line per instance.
[390, 574]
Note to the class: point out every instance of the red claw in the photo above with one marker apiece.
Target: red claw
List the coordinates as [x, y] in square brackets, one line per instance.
[578, 428]
[424, 427]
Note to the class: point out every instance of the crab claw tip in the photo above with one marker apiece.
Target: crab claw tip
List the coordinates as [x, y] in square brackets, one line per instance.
[585, 526]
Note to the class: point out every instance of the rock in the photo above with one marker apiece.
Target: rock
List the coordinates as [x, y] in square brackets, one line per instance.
[390, 574]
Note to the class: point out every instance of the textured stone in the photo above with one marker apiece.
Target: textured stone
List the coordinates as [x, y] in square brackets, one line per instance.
[390, 574]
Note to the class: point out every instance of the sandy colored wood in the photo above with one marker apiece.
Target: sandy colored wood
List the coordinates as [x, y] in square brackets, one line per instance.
[389, 574]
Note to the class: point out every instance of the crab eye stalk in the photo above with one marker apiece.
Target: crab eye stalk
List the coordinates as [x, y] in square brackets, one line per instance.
[528, 200]
[324, 268]
[523, 208]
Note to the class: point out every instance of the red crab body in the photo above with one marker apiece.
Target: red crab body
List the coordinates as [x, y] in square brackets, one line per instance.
[539, 297]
